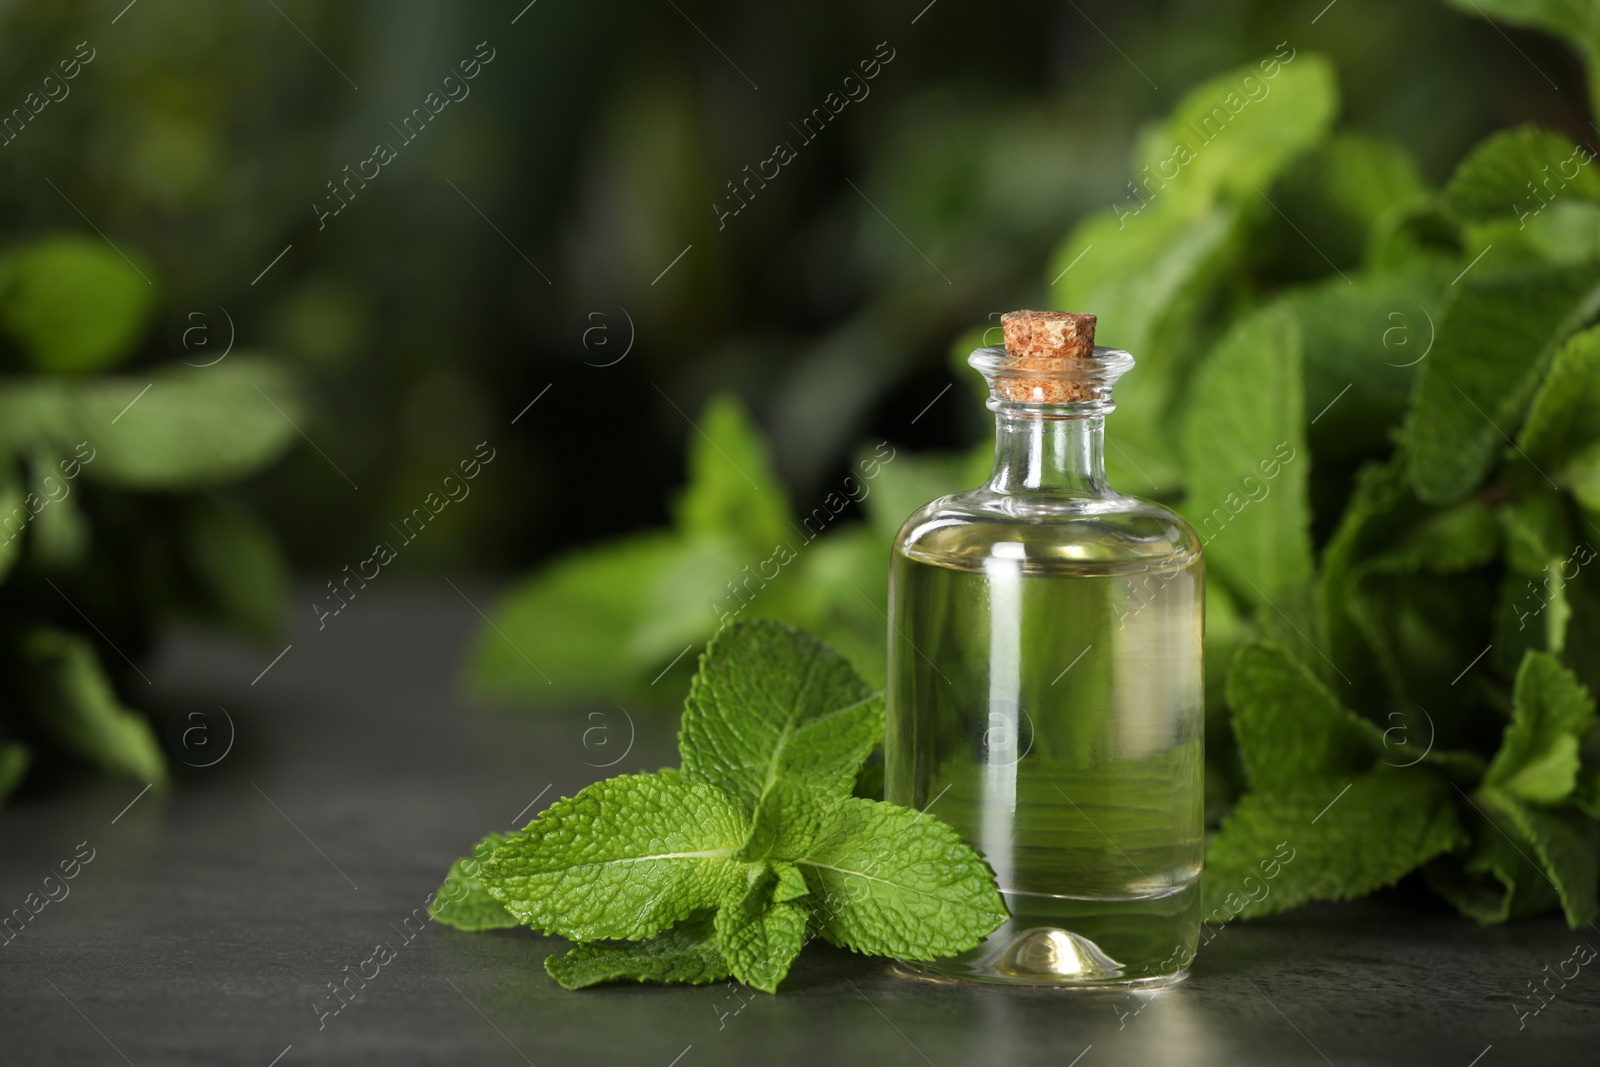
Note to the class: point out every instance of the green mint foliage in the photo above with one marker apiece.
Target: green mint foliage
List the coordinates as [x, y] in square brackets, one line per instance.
[1562, 842]
[1252, 141]
[687, 953]
[1433, 329]
[771, 705]
[760, 936]
[890, 881]
[15, 758]
[1496, 880]
[1492, 347]
[1562, 434]
[1496, 175]
[1362, 341]
[1249, 468]
[1291, 731]
[629, 608]
[735, 857]
[622, 859]
[1388, 823]
[72, 701]
[72, 303]
[1353, 824]
[732, 484]
[1538, 758]
[464, 902]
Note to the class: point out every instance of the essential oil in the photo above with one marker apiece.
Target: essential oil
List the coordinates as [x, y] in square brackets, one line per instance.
[1045, 686]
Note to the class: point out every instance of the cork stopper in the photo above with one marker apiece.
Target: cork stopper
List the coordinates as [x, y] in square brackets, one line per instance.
[1041, 347]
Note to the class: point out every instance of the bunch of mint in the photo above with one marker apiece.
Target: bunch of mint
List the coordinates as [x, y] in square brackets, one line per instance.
[114, 509]
[729, 864]
[1378, 403]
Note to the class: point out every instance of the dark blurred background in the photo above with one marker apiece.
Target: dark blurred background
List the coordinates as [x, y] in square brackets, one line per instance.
[537, 228]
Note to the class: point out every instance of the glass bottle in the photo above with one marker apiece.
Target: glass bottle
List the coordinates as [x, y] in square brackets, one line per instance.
[1045, 694]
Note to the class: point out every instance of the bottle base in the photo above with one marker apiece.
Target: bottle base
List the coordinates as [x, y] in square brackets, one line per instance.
[1043, 956]
[1072, 943]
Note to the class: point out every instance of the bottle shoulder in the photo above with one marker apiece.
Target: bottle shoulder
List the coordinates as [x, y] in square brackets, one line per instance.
[1104, 533]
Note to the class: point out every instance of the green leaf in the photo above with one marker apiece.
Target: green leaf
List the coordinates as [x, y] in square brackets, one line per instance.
[1345, 843]
[1496, 880]
[1336, 193]
[237, 561]
[177, 428]
[60, 535]
[1563, 424]
[602, 620]
[623, 859]
[758, 936]
[73, 303]
[1289, 727]
[1146, 278]
[1538, 757]
[686, 953]
[14, 516]
[1232, 135]
[1566, 845]
[72, 701]
[839, 591]
[771, 704]
[15, 759]
[1490, 352]
[1363, 341]
[1537, 593]
[890, 881]
[785, 822]
[733, 490]
[1516, 171]
[463, 901]
[1246, 461]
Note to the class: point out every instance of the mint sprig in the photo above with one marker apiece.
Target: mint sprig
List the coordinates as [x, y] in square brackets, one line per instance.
[727, 866]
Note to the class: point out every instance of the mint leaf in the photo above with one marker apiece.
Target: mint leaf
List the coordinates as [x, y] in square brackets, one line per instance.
[602, 619]
[11, 507]
[239, 565]
[771, 704]
[463, 901]
[1497, 879]
[1146, 278]
[15, 759]
[73, 304]
[758, 936]
[1241, 129]
[786, 821]
[1491, 350]
[193, 428]
[1538, 757]
[1336, 193]
[890, 881]
[1388, 823]
[1363, 341]
[1493, 181]
[73, 702]
[1562, 434]
[1565, 845]
[622, 859]
[686, 953]
[1289, 727]
[732, 486]
[1246, 462]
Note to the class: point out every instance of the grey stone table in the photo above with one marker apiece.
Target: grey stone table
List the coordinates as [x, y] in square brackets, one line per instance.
[212, 918]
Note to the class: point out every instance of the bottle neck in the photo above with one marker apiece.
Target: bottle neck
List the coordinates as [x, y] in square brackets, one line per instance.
[1035, 453]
